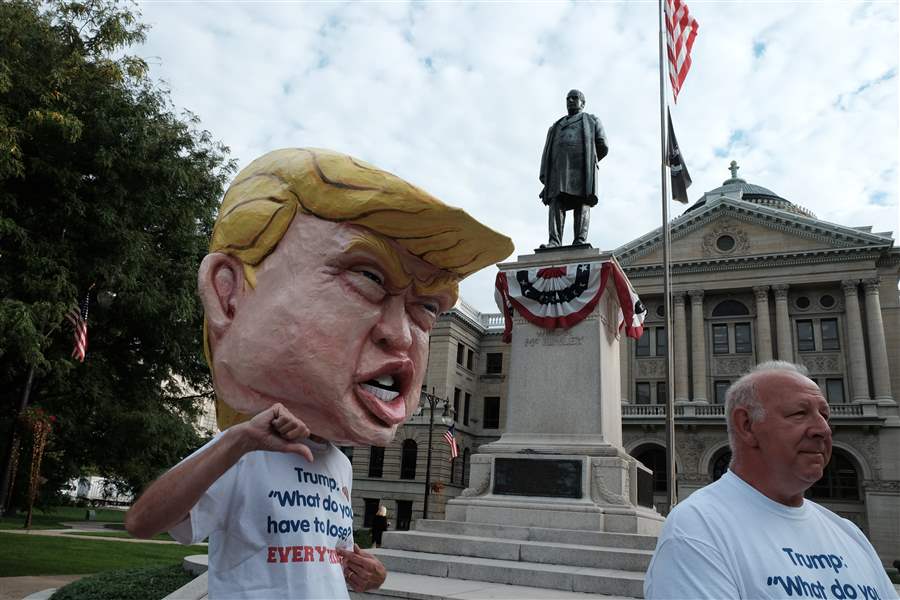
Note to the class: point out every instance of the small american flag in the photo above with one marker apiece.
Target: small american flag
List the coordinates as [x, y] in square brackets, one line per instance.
[681, 29]
[451, 441]
[78, 317]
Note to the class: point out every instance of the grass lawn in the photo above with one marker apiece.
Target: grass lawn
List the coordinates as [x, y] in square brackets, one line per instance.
[118, 534]
[37, 554]
[54, 517]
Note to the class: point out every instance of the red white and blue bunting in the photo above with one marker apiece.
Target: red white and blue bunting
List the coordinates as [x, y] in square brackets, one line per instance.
[561, 297]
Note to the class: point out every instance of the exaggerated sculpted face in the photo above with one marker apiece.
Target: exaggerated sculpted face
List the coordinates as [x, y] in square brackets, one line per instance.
[336, 329]
[794, 437]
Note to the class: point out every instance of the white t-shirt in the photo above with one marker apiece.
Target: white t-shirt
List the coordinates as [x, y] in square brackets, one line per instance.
[728, 540]
[273, 522]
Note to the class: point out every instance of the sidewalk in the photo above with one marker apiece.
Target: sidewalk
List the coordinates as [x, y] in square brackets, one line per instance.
[73, 529]
[16, 588]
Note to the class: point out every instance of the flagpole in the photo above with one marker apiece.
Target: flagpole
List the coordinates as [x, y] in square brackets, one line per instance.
[667, 284]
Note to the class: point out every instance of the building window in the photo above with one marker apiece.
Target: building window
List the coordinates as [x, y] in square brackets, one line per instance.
[642, 346]
[654, 458]
[720, 338]
[470, 359]
[408, 456]
[460, 353]
[743, 342]
[376, 461]
[371, 507]
[830, 339]
[720, 388]
[802, 302]
[827, 301]
[834, 391]
[720, 463]
[404, 514]
[494, 362]
[839, 482]
[453, 462]
[806, 342]
[662, 392]
[466, 407]
[491, 417]
[661, 341]
[642, 392]
[730, 308]
[456, 394]
[725, 243]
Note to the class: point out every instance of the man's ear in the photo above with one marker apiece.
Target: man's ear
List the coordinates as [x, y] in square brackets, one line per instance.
[743, 426]
[221, 284]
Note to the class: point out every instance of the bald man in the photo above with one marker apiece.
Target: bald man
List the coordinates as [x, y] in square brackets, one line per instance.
[752, 534]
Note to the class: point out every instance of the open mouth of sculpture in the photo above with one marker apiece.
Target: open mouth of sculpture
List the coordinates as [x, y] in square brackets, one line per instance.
[383, 394]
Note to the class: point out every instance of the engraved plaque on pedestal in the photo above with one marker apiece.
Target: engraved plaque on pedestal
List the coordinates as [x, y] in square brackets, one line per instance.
[555, 478]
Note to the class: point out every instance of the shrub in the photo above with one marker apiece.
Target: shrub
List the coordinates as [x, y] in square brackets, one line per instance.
[150, 583]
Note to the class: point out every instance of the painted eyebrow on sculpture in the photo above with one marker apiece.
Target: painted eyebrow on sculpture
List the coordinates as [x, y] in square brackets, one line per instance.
[397, 275]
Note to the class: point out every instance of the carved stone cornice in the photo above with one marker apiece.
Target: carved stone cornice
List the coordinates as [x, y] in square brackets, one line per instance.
[781, 291]
[850, 286]
[761, 292]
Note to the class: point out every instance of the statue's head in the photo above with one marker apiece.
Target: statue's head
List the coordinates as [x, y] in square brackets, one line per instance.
[324, 279]
[574, 102]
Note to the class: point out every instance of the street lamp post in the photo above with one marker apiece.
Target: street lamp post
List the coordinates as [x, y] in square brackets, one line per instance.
[432, 403]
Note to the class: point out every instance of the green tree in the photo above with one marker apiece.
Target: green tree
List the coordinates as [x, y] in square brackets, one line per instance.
[101, 182]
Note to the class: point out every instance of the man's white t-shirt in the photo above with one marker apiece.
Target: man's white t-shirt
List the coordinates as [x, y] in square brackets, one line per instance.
[728, 540]
[273, 522]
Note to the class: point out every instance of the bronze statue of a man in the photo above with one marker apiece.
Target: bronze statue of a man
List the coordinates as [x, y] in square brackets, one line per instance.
[574, 146]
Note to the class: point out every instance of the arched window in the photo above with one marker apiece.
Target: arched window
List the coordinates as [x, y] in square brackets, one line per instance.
[720, 463]
[730, 308]
[654, 458]
[465, 468]
[408, 459]
[840, 481]
[453, 462]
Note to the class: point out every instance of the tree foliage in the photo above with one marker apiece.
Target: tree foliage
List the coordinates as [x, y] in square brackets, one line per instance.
[101, 182]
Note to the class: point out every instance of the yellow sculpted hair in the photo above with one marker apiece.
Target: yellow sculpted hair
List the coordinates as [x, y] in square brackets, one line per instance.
[263, 199]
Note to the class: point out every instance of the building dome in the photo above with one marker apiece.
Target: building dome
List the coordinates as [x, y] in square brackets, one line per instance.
[735, 187]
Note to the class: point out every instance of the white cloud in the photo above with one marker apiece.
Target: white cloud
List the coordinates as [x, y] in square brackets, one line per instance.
[457, 98]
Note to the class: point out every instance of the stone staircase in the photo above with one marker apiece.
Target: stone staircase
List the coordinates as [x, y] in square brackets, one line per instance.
[530, 562]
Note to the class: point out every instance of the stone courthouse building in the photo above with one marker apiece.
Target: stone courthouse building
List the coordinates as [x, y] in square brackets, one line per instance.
[755, 277]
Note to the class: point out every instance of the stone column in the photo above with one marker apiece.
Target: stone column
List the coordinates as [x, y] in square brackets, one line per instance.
[763, 327]
[856, 350]
[881, 376]
[698, 345]
[783, 323]
[681, 364]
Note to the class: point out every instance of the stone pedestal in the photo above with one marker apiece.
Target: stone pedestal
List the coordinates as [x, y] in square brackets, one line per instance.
[560, 462]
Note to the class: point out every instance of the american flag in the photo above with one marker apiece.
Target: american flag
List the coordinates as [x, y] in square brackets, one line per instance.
[451, 441]
[78, 317]
[681, 29]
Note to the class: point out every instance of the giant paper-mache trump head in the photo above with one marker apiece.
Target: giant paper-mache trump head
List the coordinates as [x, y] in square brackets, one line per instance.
[324, 278]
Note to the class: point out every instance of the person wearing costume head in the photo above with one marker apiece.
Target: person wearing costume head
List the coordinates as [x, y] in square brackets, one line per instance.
[752, 534]
[324, 278]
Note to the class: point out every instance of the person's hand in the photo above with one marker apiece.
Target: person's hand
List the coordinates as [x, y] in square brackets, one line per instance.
[276, 430]
[362, 571]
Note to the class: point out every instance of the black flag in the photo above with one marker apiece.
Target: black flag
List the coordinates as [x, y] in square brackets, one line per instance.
[681, 179]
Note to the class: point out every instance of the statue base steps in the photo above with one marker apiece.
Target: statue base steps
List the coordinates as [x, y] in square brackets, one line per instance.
[587, 563]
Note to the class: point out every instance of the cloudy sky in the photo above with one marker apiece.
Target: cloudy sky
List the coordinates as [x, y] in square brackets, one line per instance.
[457, 98]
